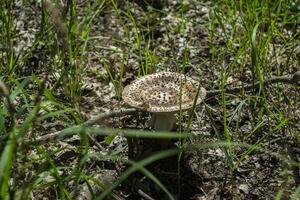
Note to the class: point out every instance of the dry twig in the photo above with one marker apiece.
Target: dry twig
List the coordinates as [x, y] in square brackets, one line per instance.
[90, 122]
[294, 79]
[144, 195]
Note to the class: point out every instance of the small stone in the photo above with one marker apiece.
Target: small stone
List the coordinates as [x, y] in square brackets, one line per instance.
[244, 188]
[204, 10]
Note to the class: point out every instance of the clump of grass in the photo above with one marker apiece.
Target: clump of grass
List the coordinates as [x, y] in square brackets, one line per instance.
[251, 30]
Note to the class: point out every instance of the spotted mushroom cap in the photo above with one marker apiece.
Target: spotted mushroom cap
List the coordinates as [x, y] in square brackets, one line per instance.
[160, 92]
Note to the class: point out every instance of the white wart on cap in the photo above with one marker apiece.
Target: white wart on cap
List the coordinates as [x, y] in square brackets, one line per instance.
[160, 92]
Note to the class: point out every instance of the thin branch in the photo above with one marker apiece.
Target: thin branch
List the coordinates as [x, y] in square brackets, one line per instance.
[91, 122]
[95, 142]
[110, 114]
[294, 79]
[144, 195]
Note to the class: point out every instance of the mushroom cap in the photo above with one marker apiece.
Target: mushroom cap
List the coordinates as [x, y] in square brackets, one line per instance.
[160, 92]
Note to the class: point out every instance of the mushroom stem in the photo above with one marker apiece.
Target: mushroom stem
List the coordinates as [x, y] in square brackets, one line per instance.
[163, 121]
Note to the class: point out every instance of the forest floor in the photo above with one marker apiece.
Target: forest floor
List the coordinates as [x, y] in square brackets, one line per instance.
[72, 60]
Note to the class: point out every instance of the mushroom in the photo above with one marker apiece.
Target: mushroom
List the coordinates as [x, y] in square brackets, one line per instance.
[160, 93]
